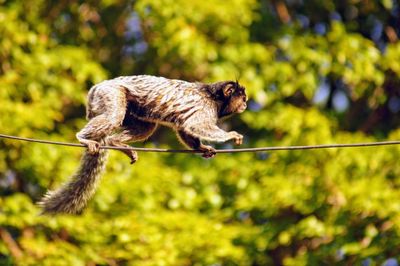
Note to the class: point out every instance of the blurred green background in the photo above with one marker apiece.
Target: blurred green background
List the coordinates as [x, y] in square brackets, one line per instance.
[316, 72]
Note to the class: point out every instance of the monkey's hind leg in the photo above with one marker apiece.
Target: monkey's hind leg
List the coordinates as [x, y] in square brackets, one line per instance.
[134, 131]
[107, 108]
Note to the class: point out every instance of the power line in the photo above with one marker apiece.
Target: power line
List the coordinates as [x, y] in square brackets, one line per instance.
[260, 149]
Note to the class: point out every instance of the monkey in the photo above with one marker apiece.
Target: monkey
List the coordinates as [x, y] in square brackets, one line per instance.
[128, 109]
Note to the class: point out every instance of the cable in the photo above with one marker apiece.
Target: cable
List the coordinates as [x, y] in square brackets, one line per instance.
[280, 148]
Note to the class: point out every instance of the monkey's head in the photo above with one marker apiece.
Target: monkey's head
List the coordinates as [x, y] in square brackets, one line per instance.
[231, 95]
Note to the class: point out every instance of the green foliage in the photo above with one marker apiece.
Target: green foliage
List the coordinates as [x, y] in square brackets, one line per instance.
[317, 72]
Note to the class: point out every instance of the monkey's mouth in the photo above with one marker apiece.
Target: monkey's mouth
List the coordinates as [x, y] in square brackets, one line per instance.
[242, 108]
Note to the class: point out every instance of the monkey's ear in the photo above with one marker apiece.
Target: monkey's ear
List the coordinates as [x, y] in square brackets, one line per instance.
[228, 89]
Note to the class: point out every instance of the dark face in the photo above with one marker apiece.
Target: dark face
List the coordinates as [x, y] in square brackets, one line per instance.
[238, 100]
[235, 97]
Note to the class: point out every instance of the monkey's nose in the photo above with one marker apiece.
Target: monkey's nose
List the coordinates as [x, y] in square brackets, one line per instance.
[243, 107]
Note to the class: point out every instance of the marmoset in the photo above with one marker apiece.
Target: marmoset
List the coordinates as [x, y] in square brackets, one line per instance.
[128, 109]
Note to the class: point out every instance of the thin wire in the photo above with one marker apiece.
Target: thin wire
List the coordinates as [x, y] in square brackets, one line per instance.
[261, 149]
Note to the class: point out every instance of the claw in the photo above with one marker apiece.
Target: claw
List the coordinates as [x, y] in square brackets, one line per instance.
[237, 138]
[208, 155]
[208, 152]
[92, 146]
[113, 141]
[239, 141]
[133, 156]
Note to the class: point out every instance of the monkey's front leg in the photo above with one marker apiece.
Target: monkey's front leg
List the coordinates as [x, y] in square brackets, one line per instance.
[195, 143]
[211, 132]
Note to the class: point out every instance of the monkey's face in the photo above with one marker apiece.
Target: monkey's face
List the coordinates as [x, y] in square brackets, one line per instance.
[235, 97]
[239, 100]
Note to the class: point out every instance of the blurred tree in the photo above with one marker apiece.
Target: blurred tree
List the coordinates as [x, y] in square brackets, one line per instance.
[316, 72]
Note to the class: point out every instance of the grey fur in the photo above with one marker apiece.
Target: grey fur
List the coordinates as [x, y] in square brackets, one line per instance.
[128, 109]
[72, 197]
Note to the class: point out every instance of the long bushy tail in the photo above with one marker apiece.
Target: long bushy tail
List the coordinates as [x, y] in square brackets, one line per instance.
[73, 196]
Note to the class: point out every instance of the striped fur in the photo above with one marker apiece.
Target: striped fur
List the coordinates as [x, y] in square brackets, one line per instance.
[128, 109]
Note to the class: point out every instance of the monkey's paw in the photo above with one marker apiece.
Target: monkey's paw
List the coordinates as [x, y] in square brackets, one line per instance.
[237, 138]
[92, 146]
[133, 156]
[208, 151]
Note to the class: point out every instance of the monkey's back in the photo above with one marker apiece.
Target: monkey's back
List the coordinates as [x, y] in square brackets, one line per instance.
[166, 101]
